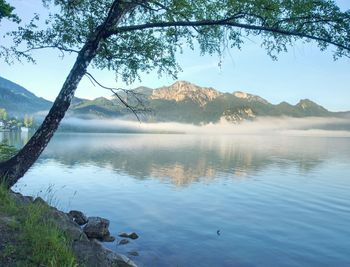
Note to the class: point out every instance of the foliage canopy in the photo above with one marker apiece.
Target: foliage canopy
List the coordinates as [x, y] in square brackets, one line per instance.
[152, 32]
[6, 11]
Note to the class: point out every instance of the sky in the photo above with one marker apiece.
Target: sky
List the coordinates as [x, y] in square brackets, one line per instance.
[303, 72]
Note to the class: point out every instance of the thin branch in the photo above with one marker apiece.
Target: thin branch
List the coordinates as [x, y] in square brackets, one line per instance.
[51, 46]
[167, 9]
[144, 5]
[134, 109]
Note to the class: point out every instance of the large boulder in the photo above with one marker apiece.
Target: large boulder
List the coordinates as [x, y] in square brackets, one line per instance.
[78, 217]
[20, 199]
[89, 252]
[40, 201]
[97, 227]
[65, 223]
[92, 253]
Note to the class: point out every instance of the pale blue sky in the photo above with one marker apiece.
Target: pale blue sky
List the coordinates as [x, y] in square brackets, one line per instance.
[304, 72]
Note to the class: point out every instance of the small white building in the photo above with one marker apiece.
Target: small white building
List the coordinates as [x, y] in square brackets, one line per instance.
[2, 124]
[24, 129]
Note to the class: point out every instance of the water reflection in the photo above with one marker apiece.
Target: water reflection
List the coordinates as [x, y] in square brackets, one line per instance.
[278, 201]
[15, 138]
[185, 159]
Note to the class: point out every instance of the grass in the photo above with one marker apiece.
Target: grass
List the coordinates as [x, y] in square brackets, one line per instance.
[39, 241]
[31, 238]
[6, 151]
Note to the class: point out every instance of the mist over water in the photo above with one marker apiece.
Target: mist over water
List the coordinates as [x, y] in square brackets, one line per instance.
[310, 126]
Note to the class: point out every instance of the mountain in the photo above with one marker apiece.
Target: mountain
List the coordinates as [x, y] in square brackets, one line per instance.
[249, 97]
[180, 102]
[190, 103]
[181, 91]
[19, 101]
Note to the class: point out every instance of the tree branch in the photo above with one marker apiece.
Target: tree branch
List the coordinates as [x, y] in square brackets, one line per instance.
[223, 22]
[134, 109]
[51, 46]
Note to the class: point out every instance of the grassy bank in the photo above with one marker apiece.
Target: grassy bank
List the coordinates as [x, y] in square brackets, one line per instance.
[31, 238]
[28, 237]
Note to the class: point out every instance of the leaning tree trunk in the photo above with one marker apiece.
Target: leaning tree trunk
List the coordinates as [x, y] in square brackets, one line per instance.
[16, 167]
[13, 169]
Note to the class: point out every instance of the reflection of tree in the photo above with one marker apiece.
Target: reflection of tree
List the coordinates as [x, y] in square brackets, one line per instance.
[15, 138]
[184, 159]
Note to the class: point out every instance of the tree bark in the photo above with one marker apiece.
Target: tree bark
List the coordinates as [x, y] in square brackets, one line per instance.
[13, 169]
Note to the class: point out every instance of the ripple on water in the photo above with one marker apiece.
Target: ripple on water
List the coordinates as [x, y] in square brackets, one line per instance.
[275, 201]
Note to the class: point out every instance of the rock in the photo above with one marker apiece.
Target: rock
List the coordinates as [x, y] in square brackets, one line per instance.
[123, 235]
[91, 253]
[97, 227]
[123, 242]
[119, 259]
[67, 225]
[78, 217]
[133, 235]
[108, 239]
[40, 201]
[20, 199]
[133, 253]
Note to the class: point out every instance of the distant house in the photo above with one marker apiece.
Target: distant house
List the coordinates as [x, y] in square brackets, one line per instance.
[2, 124]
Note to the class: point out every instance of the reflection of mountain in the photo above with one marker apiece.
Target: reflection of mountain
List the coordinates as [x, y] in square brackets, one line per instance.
[181, 175]
[185, 159]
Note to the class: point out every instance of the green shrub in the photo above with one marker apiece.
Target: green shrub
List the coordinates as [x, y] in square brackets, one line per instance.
[6, 151]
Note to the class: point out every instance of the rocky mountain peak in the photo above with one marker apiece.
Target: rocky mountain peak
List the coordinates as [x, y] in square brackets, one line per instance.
[183, 85]
[240, 94]
[249, 97]
[308, 104]
[182, 90]
[304, 103]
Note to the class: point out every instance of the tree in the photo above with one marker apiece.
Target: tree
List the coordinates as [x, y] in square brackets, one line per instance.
[134, 36]
[28, 121]
[3, 114]
[6, 11]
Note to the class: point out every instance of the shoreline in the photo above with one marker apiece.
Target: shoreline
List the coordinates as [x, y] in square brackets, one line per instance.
[88, 251]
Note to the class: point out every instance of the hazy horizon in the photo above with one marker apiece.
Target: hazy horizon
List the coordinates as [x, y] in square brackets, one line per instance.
[289, 126]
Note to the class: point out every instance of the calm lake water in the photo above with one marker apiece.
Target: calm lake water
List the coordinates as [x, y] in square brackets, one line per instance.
[276, 201]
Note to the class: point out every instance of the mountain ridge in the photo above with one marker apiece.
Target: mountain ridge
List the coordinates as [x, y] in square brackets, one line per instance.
[19, 101]
[181, 90]
[180, 102]
[187, 102]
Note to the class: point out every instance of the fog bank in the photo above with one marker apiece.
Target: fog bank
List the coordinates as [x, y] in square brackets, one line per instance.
[311, 126]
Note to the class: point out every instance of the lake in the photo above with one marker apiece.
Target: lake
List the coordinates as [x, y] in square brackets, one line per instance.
[206, 200]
